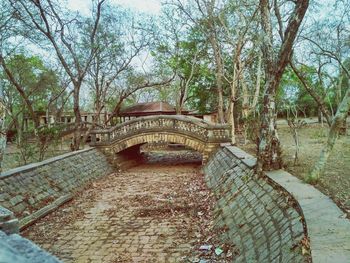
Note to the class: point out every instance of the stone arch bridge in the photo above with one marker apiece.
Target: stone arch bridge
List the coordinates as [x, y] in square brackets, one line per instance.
[195, 133]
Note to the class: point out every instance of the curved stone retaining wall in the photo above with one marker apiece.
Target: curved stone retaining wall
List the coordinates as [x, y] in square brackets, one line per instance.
[34, 190]
[263, 217]
[30, 192]
[262, 220]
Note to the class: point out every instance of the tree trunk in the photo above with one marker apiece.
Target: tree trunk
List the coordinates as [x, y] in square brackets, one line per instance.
[183, 97]
[341, 115]
[219, 75]
[95, 121]
[180, 101]
[245, 100]
[319, 115]
[245, 110]
[269, 149]
[220, 96]
[231, 117]
[343, 127]
[2, 133]
[116, 111]
[257, 84]
[77, 123]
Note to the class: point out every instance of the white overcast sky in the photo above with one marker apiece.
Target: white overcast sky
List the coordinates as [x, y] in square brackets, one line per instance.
[146, 6]
[154, 6]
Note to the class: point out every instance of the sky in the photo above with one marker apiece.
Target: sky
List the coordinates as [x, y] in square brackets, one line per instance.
[152, 7]
[146, 6]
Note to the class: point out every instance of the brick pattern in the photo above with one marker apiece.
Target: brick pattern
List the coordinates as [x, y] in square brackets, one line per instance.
[261, 219]
[30, 188]
[136, 216]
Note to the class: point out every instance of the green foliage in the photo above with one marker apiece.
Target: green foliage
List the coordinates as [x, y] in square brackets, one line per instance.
[50, 132]
[26, 149]
[37, 81]
[293, 93]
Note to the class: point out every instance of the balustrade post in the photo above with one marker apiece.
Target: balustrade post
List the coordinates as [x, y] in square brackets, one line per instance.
[209, 134]
[93, 138]
[228, 133]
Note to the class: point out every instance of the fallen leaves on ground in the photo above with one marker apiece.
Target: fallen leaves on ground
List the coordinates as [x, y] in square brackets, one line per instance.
[184, 196]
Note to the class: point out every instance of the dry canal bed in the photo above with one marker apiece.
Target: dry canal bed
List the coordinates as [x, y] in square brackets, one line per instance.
[160, 211]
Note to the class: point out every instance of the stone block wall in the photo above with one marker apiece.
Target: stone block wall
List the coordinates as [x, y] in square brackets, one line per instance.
[261, 219]
[31, 188]
[8, 223]
[16, 249]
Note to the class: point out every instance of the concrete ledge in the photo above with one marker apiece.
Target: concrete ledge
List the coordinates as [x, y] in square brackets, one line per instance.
[246, 158]
[8, 222]
[327, 225]
[16, 249]
[31, 219]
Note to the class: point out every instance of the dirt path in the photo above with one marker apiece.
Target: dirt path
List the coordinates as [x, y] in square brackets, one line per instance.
[151, 213]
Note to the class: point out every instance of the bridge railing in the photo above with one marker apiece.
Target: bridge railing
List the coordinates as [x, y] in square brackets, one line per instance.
[187, 125]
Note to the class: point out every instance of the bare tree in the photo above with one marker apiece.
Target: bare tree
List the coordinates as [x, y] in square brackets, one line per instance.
[119, 44]
[185, 81]
[137, 83]
[63, 34]
[269, 151]
[178, 50]
[327, 42]
[240, 27]
[337, 122]
[204, 15]
[5, 25]
[313, 93]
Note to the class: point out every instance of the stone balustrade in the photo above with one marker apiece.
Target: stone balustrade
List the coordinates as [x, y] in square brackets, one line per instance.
[186, 125]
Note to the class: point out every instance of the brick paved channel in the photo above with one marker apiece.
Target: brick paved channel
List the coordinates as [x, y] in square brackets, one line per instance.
[149, 213]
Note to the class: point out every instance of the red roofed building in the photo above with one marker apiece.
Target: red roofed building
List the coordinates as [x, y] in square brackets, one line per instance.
[147, 109]
[158, 108]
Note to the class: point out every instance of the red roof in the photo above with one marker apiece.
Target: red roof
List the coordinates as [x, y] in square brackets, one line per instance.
[149, 108]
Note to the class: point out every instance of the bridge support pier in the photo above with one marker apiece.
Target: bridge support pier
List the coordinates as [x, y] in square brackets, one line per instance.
[210, 148]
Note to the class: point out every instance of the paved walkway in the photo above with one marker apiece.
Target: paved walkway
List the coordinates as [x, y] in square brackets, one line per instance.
[327, 225]
[146, 214]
